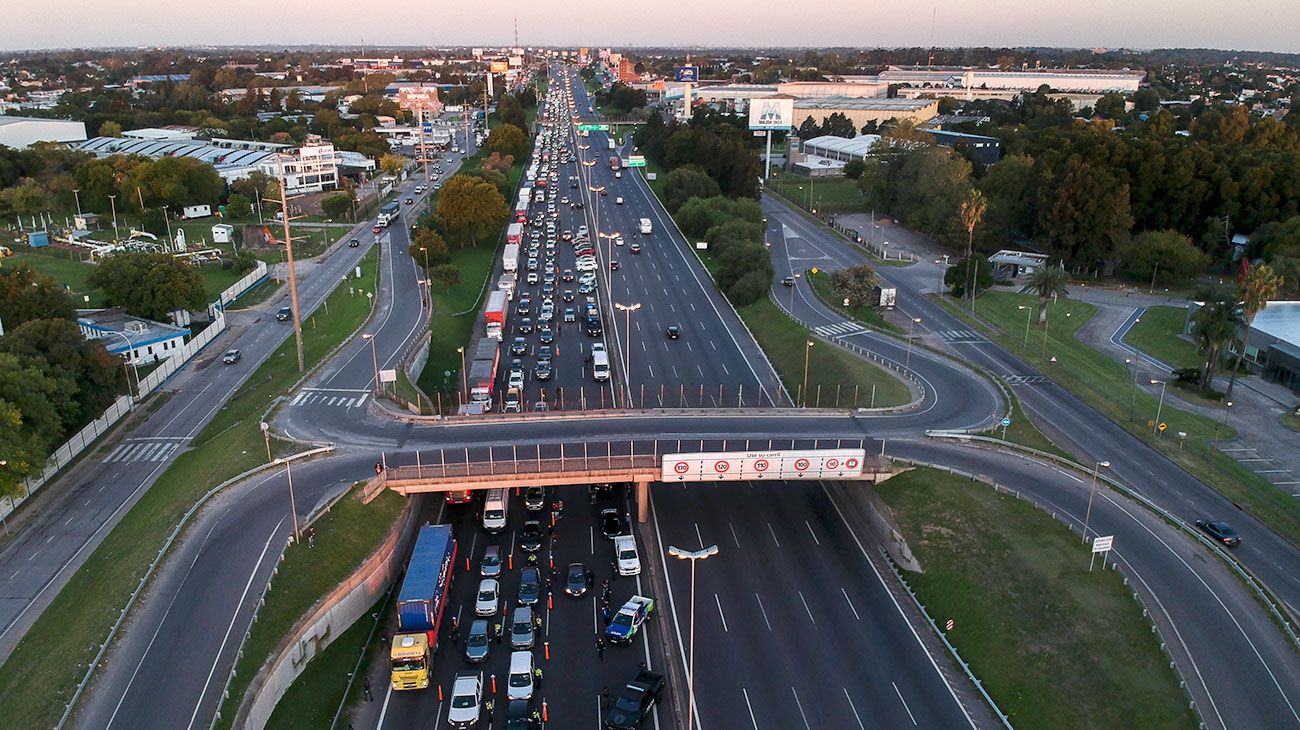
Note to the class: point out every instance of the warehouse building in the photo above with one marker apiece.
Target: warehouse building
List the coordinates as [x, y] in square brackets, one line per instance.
[23, 132]
[1086, 80]
[861, 111]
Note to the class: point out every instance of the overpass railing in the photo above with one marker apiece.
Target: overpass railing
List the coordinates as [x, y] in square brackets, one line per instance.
[469, 470]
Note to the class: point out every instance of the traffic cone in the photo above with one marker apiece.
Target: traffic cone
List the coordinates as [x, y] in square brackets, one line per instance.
[440, 693]
[545, 715]
[494, 684]
[467, 564]
[547, 646]
[550, 601]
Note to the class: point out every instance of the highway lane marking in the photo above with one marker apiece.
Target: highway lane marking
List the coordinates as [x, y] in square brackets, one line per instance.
[905, 707]
[750, 708]
[855, 710]
[850, 602]
[672, 605]
[698, 535]
[733, 534]
[810, 532]
[862, 549]
[773, 533]
[721, 615]
[233, 618]
[800, 706]
[805, 606]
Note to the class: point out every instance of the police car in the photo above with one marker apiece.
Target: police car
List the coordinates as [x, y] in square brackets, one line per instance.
[627, 622]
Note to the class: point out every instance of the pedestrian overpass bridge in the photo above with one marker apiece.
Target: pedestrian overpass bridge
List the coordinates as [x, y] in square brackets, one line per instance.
[638, 462]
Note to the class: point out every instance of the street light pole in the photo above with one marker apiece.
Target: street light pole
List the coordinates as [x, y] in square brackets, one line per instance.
[464, 376]
[694, 556]
[797, 276]
[293, 505]
[112, 203]
[1087, 516]
[1132, 406]
[1222, 422]
[627, 310]
[910, 328]
[374, 357]
[1164, 385]
[807, 351]
[1028, 317]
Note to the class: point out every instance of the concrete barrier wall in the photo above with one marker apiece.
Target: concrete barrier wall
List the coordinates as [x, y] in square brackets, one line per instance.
[327, 620]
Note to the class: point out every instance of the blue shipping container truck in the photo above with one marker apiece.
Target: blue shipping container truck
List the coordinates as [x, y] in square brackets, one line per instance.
[428, 579]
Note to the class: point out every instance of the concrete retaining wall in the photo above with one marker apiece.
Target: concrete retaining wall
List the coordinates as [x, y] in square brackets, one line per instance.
[327, 620]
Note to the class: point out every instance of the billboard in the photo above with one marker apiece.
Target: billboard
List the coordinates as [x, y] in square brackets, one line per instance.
[419, 99]
[499, 67]
[688, 74]
[757, 465]
[771, 114]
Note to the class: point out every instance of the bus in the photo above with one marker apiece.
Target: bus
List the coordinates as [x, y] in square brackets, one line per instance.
[388, 214]
[420, 604]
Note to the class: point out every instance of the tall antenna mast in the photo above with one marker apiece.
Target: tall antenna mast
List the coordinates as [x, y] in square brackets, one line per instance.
[516, 31]
[930, 62]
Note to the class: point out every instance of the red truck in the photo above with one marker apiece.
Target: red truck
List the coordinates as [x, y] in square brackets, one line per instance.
[483, 372]
[614, 162]
[494, 317]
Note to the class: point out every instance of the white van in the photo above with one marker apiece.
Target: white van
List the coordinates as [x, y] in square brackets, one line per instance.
[520, 684]
[625, 556]
[600, 366]
[494, 511]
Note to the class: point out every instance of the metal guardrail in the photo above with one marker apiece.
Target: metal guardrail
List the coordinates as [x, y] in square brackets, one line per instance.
[576, 465]
[1262, 592]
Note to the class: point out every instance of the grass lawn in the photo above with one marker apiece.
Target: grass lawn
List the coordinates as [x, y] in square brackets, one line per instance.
[1108, 386]
[41, 674]
[833, 195]
[1035, 625]
[451, 330]
[258, 294]
[314, 697]
[1022, 431]
[344, 538]
[1158, 333]
[831, 371]
[72, 273]
[1291, 421]
[869, 316]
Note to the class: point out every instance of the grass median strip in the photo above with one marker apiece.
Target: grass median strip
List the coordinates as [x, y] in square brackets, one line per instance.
[41, 674]
[835, 377]
[1157, 335]
[345, 537]
[1054, 644]
[1108, 387]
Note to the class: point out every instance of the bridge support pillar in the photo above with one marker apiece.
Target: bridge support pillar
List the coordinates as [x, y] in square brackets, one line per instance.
[643, 502]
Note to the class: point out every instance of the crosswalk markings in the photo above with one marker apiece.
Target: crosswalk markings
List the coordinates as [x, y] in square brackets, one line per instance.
[959, 336]
[1025, 379]
[840, 329]
[142, 451]
[318, 398]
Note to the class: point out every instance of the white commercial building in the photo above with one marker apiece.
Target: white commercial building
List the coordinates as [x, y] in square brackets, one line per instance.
[136, 340]
[308, 169]
[1059, 79]
[22, 132]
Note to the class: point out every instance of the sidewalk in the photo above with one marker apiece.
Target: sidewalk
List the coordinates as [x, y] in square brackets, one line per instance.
[1263, 444]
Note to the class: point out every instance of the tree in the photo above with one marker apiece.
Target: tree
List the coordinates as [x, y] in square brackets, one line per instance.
[174, 182]
[686, 182]
[856, 284]
[32, 426]
[445, 274]
[337, 205]
[84, 376]
[1163, 256]
[854, 168]
[430, 247]
[1083, 213]
[839, 125]
[809, 128]
[511, 112]
[28, 198]
[972, 211]
[1110, 106]
[110, 128]
[149, 285]
[1257, 287]
[470, 206]
[749, 288]
[499, 163]
[507, 139]
[26, 295]
[238, 206]
[957, 277]
[393, 164]
[1213, 326]
[1047, 282]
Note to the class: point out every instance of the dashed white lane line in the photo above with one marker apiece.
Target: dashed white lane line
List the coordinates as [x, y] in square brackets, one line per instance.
[763, 611]
[721, 615]
[905, 707]
[805, 607]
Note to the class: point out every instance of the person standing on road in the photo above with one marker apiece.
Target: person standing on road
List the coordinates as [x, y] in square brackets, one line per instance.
[537, 676]
[365, 687]
[604, 697]
[499, 632]
[600, 647]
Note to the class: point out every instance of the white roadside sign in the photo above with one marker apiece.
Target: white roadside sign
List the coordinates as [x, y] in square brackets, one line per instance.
[755, 465]
[1102, 544]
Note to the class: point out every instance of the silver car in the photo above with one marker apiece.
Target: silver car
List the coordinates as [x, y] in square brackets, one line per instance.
[489, 598]
[490, 566]
[477, 645]
[522, 631]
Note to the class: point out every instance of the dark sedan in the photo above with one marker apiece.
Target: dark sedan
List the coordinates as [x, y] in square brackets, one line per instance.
[612, 524]
[1220, 532]
[577, 580]
[530, 539]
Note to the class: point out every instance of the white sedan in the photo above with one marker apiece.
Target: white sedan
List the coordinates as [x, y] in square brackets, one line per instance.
[489, 598]
[585, 265]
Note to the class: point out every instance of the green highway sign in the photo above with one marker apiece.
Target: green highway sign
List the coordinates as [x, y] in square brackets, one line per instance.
[593, 127]
[635, 161]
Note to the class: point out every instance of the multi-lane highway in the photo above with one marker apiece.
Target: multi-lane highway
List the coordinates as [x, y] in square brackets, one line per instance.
[794, 626]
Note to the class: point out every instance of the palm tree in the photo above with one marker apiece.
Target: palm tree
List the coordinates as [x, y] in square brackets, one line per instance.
[1046, 282]
[1258, 285]
[1213, 326]
[972, 211]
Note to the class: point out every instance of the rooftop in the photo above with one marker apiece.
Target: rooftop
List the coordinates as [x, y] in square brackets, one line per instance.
[103, 323]
[219, 157]
[864, 104]
[1280, 320]
[857, 146]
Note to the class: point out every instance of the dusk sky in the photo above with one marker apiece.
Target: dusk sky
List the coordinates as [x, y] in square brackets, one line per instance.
[1243, 24]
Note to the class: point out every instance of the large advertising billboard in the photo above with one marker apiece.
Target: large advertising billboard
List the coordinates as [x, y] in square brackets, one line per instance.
[771, 114]
[420, 99]
[499, 67]
[756, 465]
[688, 74]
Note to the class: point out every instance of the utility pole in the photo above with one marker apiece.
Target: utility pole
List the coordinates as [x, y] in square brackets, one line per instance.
[293, 280]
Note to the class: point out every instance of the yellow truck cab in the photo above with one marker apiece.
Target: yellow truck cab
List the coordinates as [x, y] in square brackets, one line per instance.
[410, 661]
